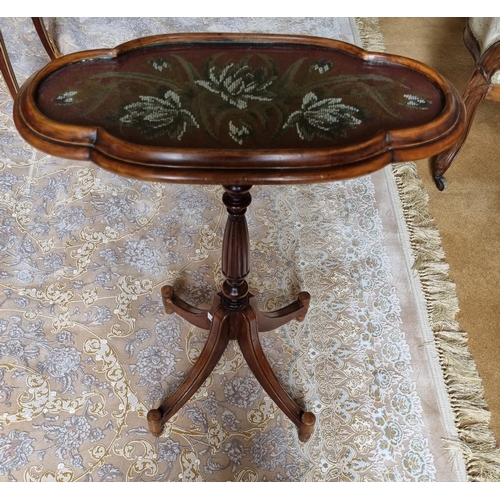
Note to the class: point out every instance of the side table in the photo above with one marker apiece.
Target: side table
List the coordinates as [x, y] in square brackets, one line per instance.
[237, 110]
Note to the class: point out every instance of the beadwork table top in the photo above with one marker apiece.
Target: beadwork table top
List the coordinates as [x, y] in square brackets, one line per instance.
[218, 108]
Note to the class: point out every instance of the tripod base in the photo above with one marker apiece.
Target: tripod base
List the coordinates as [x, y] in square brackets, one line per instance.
[243, 325]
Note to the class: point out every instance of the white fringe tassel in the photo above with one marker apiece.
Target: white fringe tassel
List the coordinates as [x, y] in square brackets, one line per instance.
[464, 385]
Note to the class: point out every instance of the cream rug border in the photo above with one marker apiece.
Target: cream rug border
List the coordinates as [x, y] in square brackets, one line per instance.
[463, 385]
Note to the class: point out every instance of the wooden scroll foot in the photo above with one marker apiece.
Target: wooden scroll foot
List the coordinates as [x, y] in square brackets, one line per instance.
[243, 326]
[306, 427]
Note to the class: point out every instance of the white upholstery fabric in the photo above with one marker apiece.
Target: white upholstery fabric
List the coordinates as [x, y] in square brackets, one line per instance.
[487, 32]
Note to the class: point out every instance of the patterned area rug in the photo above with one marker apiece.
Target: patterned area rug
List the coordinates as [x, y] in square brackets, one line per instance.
[86, 348]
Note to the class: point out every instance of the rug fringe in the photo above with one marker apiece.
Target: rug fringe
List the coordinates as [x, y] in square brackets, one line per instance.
[476, 441]
[464, 385]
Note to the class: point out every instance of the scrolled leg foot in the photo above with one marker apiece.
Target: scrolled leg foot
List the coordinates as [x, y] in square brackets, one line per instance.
[306, 427]
[304, 299]
[167, 292]
[155, 422]
[195, 316]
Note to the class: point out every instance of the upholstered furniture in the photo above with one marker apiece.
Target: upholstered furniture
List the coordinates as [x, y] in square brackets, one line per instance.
[482, 38]
[237, 110]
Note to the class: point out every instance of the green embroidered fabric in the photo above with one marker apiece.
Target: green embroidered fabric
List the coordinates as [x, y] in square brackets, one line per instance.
[239, 95]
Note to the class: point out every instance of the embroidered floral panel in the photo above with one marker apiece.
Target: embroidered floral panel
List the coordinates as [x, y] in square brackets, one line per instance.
[239, 95]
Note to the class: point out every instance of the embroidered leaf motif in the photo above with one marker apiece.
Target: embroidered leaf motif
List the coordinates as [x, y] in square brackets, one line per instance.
[66, 98]
[158, 63]
[238, 134]
[416, 102]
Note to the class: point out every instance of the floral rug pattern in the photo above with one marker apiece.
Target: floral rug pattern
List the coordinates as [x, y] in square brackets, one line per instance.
[86, 348]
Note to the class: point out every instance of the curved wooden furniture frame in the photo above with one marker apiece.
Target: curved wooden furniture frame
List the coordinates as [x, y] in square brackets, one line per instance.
[234, 314]
[6, 67]
[261, 166]
[478, 88]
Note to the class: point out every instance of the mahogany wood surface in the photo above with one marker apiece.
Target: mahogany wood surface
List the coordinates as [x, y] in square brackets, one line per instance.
[234, 314]
[297, 164]
[478, 88]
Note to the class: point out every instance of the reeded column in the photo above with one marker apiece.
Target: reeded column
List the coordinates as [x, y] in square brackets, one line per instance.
[236, 247]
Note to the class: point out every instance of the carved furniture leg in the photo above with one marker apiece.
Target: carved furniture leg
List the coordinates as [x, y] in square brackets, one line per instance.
[251, 348]
[476, 91]
[234, 316]
[218, 338]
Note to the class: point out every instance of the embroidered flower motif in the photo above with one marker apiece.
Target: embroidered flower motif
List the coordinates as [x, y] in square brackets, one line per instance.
[239, 133]
[416, 102]
[158, 63]
[321, 66]
[154, 116]
[66, 98]
[327, 118]
[238, 83]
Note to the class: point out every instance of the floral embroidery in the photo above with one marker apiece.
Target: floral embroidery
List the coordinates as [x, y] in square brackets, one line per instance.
[327, 118]
[155, 116]
[239, 133]
[66, 98]
[238, 83]
[234, 99]
[100, 429]
[416, 102]
[321, 66]
[158, 63]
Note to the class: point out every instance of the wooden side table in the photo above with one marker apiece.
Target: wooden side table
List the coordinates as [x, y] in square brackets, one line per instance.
[238, 110]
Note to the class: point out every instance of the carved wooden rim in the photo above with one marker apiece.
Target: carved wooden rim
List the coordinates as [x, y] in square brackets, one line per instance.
[264, 166]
